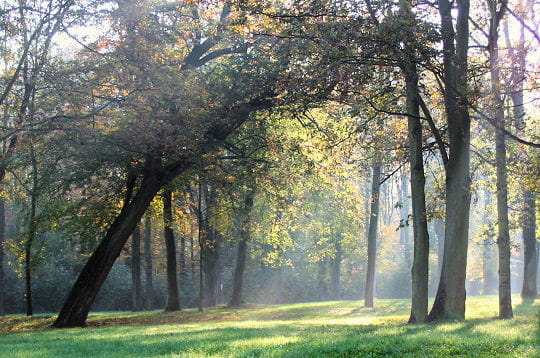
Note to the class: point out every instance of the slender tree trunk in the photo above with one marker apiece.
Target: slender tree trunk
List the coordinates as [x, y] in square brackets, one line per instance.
[79, 302]
[503, 237]
[372, 235]
[420, 267]
[450, 299]
[2, 239]
[136, 269]
[530, 249]
[32, 228]
[336, 269]
[183, 254]
[201, 238]
[489, 279]
[148, 269]
[173, 301]
[404, 237]
[245, 235]
[530, 258]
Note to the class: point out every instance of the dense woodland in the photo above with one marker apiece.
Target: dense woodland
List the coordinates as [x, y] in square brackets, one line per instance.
[170, 154]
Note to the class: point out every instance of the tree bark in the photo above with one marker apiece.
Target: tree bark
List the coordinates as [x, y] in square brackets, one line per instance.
[173, 301]
[136, 269]
[372, 235]
[245, 235]
[148, 269]
[450, 299]
[503, 237]
[420, 267]
[79, 302]
[489, 279]
[31, 235]
[530, 258]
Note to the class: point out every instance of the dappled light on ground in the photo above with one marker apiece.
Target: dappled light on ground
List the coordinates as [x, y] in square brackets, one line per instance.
[340, 328]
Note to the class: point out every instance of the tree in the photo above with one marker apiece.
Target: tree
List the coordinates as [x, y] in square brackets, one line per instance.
[147, 241]
[136, 269]
[173, 300]
[245, 234]
[450, 299]
[503, 237]
[372, 233]
[210, 124]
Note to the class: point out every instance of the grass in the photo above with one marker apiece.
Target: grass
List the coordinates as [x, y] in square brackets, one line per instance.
[331, 329]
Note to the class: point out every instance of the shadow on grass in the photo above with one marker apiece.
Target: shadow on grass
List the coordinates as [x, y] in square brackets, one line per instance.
[276, 340]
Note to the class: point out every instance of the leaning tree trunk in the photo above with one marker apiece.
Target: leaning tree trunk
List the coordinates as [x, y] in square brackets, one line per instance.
[450, 299]
[136, 269]
[93, 275]
[420, 267]
[245, 235]
[147, 240]
[503, 237]
[372, 235]
[173, 301]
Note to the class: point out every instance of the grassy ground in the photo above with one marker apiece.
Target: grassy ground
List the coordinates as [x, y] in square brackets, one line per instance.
[335, 329]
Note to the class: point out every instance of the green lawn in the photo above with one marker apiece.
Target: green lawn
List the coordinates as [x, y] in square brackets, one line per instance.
[335, 329]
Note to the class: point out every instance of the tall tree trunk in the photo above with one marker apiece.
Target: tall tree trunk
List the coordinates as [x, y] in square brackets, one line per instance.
[336, 269]
[173, 301]
[210, 248]
[31, 235]
[450, 299]
[200, 240]
[489, 279]
[245, 235]
[136, 269]
[530, 258]
[81, 297]
[503, 237]
[372, 235]
[530, 252]
[420, 267]
[404, 237]
[2, 239]
[148, 269]
[183, 254]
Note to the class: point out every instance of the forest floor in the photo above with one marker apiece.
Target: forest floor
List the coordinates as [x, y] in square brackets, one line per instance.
[321, 329]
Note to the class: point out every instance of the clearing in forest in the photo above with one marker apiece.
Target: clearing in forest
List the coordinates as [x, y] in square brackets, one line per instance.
[321, 329]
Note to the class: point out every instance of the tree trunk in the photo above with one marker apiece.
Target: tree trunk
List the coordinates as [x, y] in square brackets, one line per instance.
[136, 269]
[530, 258]
[200, 239]
[245, 235]
[173, 301]
[450, 299]
[489, 279]
[372, 235]
[336, 269]
[404, 237]
[31, 235]
[148, 269]
[79, 302]
[503, 237]
[420, 267]
[2, 239]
